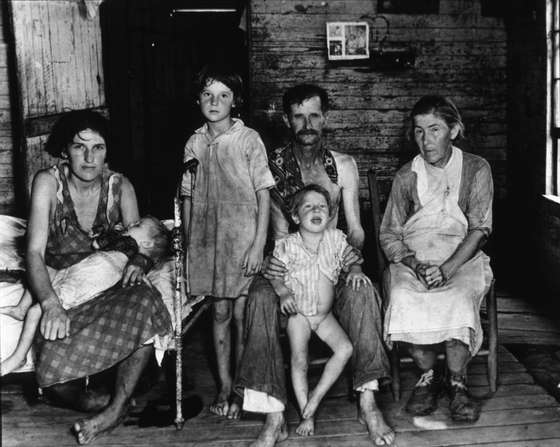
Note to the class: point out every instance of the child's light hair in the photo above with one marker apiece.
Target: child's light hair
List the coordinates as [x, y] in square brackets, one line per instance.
[299, 196]
[160, 236]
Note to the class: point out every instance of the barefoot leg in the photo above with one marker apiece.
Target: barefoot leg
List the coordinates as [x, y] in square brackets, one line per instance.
[274, 430]
[235, 403]
[332, 334]
[222, 346]
[299, 333]
[128, 373]
[18, 311]
[18, 357]
[370, 415]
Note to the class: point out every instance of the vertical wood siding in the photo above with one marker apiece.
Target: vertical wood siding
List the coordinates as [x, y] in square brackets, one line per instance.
[59, 68]
[459, 54]
[7, 197]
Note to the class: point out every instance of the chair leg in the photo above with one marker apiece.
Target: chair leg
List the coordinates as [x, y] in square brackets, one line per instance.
[492, 310]
[395, 373]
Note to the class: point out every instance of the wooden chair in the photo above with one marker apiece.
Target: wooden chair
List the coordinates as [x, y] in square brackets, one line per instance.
[489, 313]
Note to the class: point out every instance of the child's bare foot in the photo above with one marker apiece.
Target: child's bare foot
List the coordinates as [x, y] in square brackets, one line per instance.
[11, 364]
[306, 427]
[220, 406]
[274, 430]
[236, 402]
[310, 408]
[15, 312]
[86, 430]
[369, 415]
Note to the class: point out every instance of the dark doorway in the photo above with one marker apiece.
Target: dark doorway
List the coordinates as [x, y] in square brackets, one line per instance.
[152, 50]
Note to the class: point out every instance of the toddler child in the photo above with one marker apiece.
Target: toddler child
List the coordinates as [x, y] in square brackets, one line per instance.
[227, 213]
[86, 279]
[313, 258]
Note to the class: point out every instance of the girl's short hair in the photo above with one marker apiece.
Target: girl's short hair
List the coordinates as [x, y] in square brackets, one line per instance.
[70, 124]
[441, 107]
[223, 74]
[299, 196]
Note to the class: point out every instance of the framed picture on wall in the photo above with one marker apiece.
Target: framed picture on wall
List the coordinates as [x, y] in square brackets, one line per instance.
[347, 40]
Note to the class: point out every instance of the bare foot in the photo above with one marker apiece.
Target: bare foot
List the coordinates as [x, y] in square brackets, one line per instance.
[11, 364]
[306, 427]
[310, 408]
[220, 406]
[379, 432]
[94, 401]
[236, 402]
[15, 312]
[86, 430]
[274, 430]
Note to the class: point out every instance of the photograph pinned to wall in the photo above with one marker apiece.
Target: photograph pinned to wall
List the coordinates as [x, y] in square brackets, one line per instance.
[347, 40]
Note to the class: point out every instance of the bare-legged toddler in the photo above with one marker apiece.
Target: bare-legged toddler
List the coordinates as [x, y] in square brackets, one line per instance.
[313, 258]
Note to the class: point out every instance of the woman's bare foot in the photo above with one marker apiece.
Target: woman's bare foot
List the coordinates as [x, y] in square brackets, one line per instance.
[15, 312]
[274, 430]
[11, 364]
[86, 430]
[369, 415]
[220, 406]
[306, 427]
[235, 404]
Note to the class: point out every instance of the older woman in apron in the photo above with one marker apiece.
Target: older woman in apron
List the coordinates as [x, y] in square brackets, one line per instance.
[438, 216]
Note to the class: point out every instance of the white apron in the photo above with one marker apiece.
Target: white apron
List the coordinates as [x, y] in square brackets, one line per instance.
[421, 316]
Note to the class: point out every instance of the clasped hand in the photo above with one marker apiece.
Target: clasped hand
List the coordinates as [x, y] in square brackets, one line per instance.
[430, 275]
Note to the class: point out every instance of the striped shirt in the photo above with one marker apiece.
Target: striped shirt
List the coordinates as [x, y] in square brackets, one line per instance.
[305, 267]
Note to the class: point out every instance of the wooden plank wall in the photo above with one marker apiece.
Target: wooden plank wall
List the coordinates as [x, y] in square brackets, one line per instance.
[7, 190]
[459, 54]
[59, 66]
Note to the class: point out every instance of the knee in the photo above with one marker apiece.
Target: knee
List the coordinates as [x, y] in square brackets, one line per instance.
[222, 311]
[345, 350]
[299, 361]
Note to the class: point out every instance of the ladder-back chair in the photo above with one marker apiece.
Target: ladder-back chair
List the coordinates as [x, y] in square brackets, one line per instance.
[489, 313]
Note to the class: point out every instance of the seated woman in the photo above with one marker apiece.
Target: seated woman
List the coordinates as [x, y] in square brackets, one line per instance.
[438, 216]
[70, 202]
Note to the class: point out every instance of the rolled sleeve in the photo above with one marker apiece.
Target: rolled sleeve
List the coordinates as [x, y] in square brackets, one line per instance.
[394, 218]
[259, 172]
[479, 208]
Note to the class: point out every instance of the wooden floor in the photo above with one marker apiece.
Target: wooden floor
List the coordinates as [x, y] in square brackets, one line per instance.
[521, 413]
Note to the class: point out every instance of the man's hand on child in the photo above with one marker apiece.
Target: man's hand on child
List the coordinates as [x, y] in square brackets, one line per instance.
[252, 261]
[288, 305]
[273, 268]
[357, 280]
[350, 257]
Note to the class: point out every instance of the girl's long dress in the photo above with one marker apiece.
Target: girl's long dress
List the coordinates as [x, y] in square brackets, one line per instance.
[232, 168]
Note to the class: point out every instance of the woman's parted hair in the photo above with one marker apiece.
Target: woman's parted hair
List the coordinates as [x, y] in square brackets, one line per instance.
[223, 74]
[299, 196]
[440, 106]
[72, 123]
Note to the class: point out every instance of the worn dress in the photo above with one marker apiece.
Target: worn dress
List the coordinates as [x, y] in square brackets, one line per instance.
[110, 327]
[232, 168]
[430, 212]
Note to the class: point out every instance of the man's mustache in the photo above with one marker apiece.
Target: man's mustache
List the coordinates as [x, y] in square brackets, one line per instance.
[307, 132]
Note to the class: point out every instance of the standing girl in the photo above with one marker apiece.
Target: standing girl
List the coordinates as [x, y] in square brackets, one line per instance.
[229, 217]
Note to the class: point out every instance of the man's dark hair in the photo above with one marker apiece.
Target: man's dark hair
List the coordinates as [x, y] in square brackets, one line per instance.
[299, 196]
[301, 92]
[70, 124]
[223, 74]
